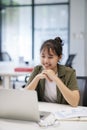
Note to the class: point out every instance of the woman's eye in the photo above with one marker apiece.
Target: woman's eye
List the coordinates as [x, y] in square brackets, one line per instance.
[42, 56]
[50, 57]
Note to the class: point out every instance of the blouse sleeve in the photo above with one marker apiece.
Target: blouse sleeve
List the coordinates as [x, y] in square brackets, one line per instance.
[36, 71]
[72, 82]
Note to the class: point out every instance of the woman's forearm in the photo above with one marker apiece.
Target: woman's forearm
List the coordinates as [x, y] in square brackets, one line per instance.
[72, 97]
[33, 84]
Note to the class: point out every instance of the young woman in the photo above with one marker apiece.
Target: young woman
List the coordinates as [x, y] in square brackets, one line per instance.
[54, 82]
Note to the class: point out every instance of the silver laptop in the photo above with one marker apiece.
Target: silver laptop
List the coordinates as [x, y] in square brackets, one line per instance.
[19, 105]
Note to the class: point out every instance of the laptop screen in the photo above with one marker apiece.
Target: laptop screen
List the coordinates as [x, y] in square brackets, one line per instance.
[19, 105]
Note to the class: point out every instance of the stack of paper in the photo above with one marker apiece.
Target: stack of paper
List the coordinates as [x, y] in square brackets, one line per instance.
[71, 113]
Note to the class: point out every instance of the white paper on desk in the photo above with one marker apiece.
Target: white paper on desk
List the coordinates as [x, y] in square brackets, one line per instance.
[71, 113]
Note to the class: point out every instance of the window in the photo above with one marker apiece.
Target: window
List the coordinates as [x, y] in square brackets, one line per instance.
[50, 22]
[24, 27]
[16, 32]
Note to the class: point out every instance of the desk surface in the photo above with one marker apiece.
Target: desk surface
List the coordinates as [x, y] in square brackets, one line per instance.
[22, 125]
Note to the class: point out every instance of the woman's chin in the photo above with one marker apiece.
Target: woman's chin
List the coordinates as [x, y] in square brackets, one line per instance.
[47, 68]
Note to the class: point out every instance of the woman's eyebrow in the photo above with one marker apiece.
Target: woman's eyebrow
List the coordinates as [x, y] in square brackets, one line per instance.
[50, 55]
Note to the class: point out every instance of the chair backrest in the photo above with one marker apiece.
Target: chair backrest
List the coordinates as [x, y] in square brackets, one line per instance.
[4, 56]
[82, 84]
[70, 60]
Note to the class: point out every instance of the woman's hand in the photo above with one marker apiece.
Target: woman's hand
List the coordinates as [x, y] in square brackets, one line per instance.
[43, 76]
[50, 74]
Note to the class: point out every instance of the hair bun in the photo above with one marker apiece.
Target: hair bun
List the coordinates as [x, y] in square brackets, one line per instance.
[59, 40]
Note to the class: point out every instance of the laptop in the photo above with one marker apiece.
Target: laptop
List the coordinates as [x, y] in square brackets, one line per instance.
[19, 105]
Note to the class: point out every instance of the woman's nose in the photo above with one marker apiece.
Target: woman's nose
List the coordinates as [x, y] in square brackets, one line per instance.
[46, 60]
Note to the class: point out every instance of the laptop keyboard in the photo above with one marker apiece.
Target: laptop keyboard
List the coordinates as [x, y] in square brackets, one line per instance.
[44, 114]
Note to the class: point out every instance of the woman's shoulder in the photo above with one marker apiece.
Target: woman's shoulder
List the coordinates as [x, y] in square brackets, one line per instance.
[67, 73]
[65, 70]
[66, 67]
[38, 68]
[69, 69]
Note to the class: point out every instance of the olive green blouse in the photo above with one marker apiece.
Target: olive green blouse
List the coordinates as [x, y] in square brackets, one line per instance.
[66, 74]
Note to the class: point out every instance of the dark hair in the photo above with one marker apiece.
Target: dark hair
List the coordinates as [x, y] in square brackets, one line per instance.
[54, 44]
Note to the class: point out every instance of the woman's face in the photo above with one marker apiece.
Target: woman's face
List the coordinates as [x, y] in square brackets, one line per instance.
[49, 60]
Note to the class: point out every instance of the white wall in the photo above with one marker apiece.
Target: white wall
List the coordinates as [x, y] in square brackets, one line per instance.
[78, 35]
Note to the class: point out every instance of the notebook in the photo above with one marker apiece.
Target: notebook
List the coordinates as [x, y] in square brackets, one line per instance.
[19, 105]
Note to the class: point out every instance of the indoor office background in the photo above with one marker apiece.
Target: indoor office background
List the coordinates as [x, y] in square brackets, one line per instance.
[25, 24]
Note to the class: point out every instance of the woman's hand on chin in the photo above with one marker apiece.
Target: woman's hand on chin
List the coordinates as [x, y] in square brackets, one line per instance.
[49, 73]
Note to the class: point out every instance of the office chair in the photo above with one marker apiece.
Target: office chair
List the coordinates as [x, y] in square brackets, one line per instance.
[70, 60]
[82, 84]
[4, 56]
[26, 79]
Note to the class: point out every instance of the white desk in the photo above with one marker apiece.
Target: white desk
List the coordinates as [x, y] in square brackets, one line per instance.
[21, 125]
[7, 71]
